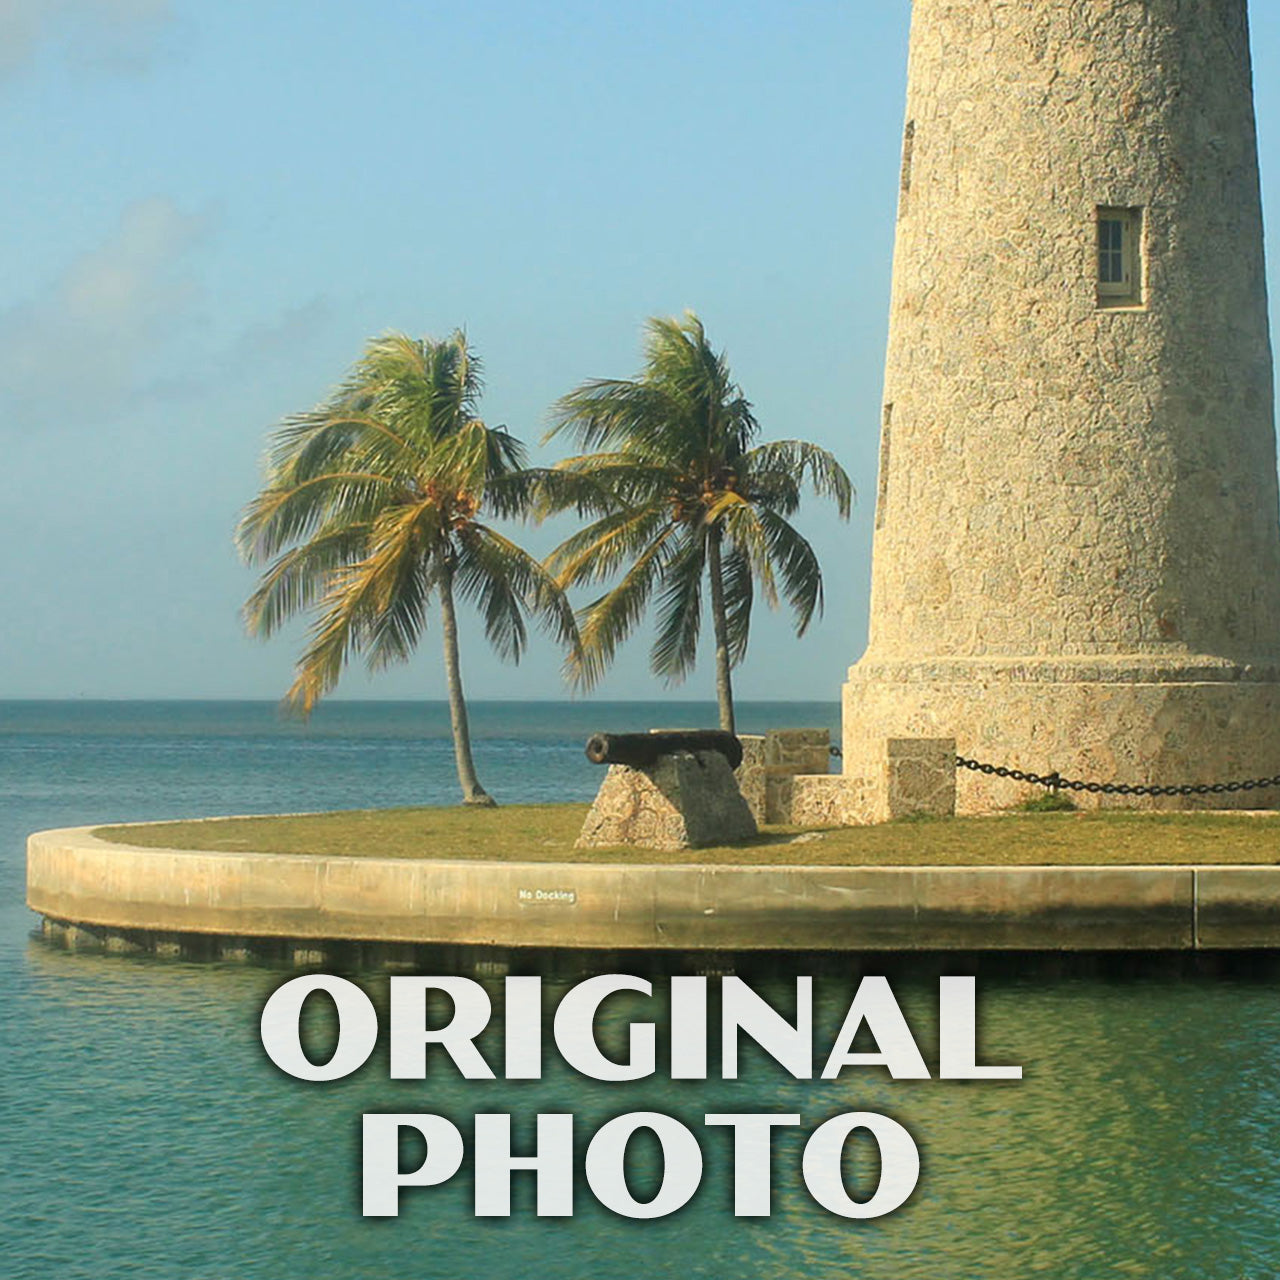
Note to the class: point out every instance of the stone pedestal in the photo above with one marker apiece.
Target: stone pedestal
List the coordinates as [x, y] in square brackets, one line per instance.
[685, 801]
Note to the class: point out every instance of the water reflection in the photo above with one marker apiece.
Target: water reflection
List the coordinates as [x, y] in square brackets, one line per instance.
[1139, 1143]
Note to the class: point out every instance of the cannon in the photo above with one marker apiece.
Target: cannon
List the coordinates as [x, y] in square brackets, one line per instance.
[643, 750]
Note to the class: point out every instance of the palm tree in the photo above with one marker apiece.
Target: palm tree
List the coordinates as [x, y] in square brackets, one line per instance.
[682, 496]
[372, 507]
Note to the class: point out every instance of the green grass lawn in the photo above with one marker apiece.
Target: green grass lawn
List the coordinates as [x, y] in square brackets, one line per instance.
[545, 833]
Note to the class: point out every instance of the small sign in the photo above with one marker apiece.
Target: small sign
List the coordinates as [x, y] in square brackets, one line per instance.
[547, 897]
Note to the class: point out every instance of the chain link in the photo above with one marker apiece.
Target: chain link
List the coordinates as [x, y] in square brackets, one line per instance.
[1055, 782]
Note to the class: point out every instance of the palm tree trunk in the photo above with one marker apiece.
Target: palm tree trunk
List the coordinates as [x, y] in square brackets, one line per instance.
[720, 624]
[472, 791]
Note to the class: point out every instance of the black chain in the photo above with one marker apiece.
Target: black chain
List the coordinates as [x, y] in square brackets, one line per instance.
[1055, 782]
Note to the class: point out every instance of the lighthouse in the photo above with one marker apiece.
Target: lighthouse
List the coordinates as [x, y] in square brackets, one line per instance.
[1076, 563]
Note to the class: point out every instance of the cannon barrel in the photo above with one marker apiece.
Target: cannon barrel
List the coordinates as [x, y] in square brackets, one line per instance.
[640, 750]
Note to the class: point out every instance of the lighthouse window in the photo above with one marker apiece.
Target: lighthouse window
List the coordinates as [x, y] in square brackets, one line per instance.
[908, 147]
[1119, 257]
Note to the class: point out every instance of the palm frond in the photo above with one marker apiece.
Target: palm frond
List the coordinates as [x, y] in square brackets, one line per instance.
[778, 490]
[430, 389]
[376, 606]
[335, 439]
[278, 517]
[681, 360]
[555, 489]
[722, 503]
[612, 413]
[517, 495]
[626, 478]
[609, 620]
[400, 573]
[458, 461]
[505, 581]
[326, 653]
[299, 577]
[599, 550]
[748, 539]
[801, 462]
[797, 567]
[506, 454]
[675, 648]
[739, 596]
[480, 578]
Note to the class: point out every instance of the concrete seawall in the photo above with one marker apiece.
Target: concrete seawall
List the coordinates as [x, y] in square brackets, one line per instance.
[75, 878]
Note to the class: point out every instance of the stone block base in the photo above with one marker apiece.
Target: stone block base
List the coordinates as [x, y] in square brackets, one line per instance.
[911, 776]
[799, 750]
[685, 801]
[750, 775]
[809, 800]
[1134, 720]
[771, 760]
[908, 776]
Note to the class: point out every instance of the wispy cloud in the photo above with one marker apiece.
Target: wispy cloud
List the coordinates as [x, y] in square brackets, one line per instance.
[114, 35]
[84, 344]
[255, 353]
[280, 339]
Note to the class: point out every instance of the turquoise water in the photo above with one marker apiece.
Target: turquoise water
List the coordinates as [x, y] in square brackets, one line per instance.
[146, 1135]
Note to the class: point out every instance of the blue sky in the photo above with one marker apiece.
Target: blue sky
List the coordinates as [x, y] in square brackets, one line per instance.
[211, 207]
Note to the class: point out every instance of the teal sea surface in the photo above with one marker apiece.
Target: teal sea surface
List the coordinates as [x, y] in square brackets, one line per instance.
[146, 1134]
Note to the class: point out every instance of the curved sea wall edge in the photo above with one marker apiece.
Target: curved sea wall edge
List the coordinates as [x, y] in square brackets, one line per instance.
[145, 897]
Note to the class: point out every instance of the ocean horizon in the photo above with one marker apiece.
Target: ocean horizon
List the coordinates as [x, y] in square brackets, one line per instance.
[106, 760]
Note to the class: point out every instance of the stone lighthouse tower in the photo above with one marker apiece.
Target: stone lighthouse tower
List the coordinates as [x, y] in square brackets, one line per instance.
[1077, 545]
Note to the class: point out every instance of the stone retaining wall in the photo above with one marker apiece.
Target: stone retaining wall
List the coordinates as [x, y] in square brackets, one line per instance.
[147, 898]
